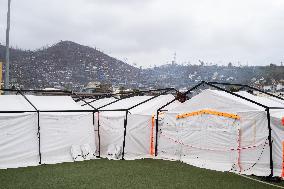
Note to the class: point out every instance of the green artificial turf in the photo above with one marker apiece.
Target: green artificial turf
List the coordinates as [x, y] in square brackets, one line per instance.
[104, 173]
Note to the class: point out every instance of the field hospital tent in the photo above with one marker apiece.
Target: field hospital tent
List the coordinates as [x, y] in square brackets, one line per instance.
[219, 131]
[126, 126]
[43, 130]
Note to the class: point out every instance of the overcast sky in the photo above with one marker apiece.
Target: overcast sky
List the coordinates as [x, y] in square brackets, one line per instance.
[149, 32]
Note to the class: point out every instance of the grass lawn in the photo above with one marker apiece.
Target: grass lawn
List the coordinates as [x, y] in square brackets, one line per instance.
[123, 174]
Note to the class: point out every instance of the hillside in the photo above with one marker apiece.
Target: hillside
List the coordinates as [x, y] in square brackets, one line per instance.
[66, 64]
[71, 65]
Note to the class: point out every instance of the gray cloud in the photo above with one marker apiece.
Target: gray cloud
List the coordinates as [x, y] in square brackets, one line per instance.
[149, 32]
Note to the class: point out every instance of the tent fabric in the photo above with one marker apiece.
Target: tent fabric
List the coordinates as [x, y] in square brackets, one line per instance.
[54, 102]
[139, 125]
[97, 103]
[205, 140]
[19, 141]
[14, 103]
[277, 128]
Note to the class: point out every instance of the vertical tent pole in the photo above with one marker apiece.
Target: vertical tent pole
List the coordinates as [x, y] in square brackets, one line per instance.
[38, 125]
[270, 141]
[124, 135]
[157, 131]
[157, 121]
[99, 136]
[38, 134]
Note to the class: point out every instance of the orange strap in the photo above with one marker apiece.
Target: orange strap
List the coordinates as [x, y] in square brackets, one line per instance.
[282, 160]
[223, 114]
[152, 149]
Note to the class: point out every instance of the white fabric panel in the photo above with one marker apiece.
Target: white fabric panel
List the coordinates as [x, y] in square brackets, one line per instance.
[18, 140]
[207, 140]
[277, 147]
[168, 147]
[60, 132]
[126, 103]
[54, 103]
[267, 101]
[138, 137]
[254, 133]
[111, 132]
[14, 103]
[153, 105]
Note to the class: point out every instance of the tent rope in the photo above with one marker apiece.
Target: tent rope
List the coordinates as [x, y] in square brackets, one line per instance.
[231, 149]
[259, 157]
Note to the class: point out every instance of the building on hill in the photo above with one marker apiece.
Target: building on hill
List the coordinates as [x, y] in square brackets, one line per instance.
[97, 87]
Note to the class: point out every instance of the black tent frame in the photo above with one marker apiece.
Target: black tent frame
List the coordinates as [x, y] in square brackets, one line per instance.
[127, 111]
[93, 109]
[214, 85]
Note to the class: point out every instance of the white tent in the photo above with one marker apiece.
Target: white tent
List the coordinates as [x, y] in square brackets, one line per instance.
[219, 131]
[49, 133]
[18, 133]
[138, 122]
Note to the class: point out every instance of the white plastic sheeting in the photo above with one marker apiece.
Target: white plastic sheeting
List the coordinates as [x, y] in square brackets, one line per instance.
[19, 142]
[139, 125]
[222, 143]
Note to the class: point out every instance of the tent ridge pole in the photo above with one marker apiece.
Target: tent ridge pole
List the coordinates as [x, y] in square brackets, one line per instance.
[248, 86]
[234, 94]
[71, 92]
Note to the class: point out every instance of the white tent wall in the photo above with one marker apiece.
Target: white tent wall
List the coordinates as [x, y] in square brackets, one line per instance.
[111, 132]
[199, 140]
[278, 144]
[276, 116]
[20, 144]
[18, 140]
[138, 137]
[18, 133]
[138, 129]
[60, 131]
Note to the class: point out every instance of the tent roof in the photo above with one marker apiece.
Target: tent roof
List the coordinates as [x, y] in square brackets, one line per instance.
[267, 101]
[218, 100]
[14, 103]
[44, 103]
[126, 103]
[153, 105]
[54, 103]
[98, 103]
